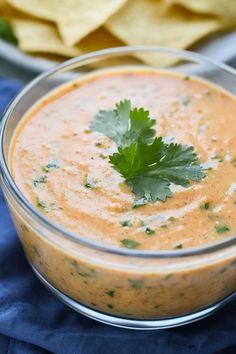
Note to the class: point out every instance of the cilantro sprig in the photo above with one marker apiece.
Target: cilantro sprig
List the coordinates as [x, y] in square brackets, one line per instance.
[148, 164]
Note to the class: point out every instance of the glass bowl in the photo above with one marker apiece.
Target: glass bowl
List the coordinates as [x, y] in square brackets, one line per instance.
[121, 287]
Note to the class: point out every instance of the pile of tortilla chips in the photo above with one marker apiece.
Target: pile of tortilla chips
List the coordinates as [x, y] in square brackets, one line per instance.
[72, 27]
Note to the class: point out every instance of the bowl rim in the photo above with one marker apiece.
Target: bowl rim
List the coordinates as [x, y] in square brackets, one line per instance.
[50, 225]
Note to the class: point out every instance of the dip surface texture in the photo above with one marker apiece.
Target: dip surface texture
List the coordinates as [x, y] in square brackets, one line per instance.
[62, 166]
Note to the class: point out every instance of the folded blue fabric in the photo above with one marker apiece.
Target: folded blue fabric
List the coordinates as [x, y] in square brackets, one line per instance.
[32, 321]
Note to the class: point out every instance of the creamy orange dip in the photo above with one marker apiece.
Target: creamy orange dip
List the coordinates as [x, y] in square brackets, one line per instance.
[81, 190]
[62, 167]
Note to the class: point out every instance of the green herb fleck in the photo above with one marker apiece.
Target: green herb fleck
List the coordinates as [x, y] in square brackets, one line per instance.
[125, 223]
[51, 165]
[90, 182]
[220, 158]
[110, 293]
[110, 306]
[164, 226]
[81, 272]
[103, 156]
[39, 181]
[98, 144]
[40, 204]
[149, 231]
[54, 206]
[171, 218]
[179, 246]
[205, 206]
[129, 243]
[187, 78]
[220, 229]
[135, 283]
[223, 270]
[139, 202]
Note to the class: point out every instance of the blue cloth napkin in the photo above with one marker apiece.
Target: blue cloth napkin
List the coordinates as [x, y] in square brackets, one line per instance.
[32, 321]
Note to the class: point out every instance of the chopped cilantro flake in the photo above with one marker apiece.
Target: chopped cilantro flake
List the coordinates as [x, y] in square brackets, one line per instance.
[90, 182]
[139, 202]
[220, 158]
[40, 204]
[39, 181]
[125, 223]
[103, 156]
[179, 246]
[205, 206]
[220, 229]
[135, 283]
[129, 243]
[110, 293]
[149, 231]
[98, 144]
[51, 165]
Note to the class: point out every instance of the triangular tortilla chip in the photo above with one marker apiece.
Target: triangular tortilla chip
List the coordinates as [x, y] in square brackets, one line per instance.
[148, 22]
[75, 18]
[224, 9]
[42, 37]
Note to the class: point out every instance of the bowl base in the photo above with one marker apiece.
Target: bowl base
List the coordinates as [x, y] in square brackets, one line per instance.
[129, 323]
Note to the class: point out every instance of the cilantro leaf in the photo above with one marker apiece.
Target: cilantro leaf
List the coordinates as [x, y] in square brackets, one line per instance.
[124, 125]
[129, 243]
[149, 169]
[149, 165]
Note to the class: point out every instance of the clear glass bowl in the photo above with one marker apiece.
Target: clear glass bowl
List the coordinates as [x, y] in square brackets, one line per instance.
[127, 288]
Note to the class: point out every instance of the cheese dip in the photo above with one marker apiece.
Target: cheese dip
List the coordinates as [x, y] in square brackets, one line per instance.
[63, 169]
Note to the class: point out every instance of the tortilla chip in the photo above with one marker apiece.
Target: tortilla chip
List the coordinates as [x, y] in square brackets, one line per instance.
[149, 22]
[75, 18]
[2, 4]
[35, 36]
[4, 7]
[8, 11]
[41, 37]
[223, 9]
